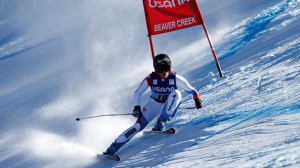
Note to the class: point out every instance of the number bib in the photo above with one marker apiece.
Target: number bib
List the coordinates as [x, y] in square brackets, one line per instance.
[161, 88]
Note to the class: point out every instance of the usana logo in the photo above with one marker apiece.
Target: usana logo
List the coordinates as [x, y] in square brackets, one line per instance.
[163, 89]
[166, 3]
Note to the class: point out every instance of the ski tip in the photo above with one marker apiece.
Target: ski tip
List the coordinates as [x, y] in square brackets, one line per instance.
[117, 157]
[171, 130]
[111, 157]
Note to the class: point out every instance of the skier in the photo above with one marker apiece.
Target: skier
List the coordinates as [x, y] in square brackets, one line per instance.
[164, 101]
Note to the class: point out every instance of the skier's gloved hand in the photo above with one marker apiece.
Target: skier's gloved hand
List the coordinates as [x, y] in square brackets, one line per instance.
[198, 103]
[137, 111]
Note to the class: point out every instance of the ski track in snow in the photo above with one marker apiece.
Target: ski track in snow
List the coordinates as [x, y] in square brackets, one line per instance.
[250, 117]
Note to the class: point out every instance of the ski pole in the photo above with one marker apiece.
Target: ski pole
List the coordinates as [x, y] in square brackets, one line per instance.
[77, 119]
[187, 108]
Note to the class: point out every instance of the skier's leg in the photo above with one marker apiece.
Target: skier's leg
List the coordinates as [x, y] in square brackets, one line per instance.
[139, 125]
[123, 138]
[169, 109]
[149, 112]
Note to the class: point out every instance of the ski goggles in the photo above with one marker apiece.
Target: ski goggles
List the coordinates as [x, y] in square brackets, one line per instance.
[162, 68]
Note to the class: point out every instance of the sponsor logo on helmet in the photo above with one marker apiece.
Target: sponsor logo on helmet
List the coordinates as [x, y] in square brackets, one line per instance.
[163, 89]
[162, 61]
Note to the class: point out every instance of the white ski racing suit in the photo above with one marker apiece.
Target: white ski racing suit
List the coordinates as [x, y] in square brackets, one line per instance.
[163, 103]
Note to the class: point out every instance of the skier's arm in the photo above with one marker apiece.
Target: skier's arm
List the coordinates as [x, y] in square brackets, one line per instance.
[182, 84]
[139, 92]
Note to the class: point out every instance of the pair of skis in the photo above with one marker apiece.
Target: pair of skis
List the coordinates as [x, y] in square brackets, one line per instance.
[169, 131]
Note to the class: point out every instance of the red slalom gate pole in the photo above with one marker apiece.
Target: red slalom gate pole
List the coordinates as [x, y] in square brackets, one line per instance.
[151, 45]
[213, 51]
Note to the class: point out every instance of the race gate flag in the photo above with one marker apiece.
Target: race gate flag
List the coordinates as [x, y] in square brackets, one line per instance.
[164, 16]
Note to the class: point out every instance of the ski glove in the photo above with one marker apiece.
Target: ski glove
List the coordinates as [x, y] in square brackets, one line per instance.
[137, 111]
[198, 103]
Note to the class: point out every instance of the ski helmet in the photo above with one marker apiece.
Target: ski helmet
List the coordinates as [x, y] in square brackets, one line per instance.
[162, 63]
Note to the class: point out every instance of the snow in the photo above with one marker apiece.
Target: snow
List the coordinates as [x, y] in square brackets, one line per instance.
[55, 69]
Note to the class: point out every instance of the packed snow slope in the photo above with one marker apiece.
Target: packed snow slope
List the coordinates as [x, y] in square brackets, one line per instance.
[62, 60]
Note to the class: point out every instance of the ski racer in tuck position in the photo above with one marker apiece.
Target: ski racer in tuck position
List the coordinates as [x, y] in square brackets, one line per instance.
[164, 101]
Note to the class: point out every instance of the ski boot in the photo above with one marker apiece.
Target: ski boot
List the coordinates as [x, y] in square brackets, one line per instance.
[159, 126]
[113, 148]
